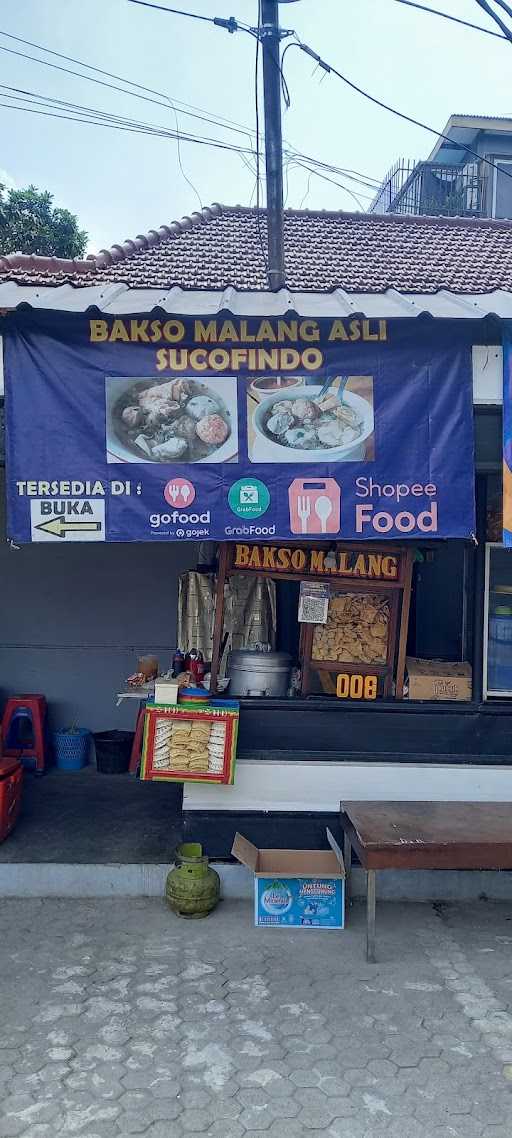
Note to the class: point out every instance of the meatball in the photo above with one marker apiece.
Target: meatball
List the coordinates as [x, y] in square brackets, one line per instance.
[132, 416]
[280, 423]
[304, 409]
[201, 406]
[282, 407]
[212, 430]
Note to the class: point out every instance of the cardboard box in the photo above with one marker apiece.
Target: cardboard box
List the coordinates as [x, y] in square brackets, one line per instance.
[296, 888]
[437, 679]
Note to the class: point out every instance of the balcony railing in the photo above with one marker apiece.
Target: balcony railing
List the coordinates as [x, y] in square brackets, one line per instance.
[431, 188]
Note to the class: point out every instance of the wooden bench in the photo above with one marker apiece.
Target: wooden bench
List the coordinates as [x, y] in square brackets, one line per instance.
[423, 835]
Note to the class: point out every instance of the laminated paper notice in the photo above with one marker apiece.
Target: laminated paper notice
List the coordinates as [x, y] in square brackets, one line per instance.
[313, 603]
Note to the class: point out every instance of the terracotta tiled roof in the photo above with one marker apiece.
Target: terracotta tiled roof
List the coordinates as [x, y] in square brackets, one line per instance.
[221, 246]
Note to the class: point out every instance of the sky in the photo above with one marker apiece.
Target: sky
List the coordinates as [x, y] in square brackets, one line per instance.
[122, 184]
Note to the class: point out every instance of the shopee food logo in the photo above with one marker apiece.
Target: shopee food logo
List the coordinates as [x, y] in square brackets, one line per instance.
[370, 516]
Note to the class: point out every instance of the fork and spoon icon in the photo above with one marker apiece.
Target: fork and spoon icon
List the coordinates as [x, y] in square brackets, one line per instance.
[322, 507]
[179, 491]
[315, 505]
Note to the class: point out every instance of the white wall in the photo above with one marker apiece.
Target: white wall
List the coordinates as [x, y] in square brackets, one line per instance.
[320, 786]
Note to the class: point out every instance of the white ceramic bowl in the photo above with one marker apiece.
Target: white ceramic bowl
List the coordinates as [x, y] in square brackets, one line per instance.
[268, 450]
[119, 451]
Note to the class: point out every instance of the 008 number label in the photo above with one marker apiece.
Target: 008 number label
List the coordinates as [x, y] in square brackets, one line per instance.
[356, 686]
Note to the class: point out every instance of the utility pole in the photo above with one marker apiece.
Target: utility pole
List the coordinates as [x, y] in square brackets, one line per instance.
[271, 39]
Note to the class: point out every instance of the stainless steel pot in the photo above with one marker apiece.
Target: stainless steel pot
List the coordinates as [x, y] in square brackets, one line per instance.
[252, 673]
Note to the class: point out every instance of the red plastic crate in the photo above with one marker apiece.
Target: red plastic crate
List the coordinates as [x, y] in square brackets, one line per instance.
[11, 783]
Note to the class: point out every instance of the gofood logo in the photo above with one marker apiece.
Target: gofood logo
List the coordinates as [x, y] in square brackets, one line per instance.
[176, 518]
[179, 492]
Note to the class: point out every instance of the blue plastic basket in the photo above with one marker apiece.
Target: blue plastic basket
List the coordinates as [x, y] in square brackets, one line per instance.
[71, 749]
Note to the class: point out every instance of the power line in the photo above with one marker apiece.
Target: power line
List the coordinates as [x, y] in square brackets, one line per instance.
[216, 121]
[453, 19]
[386, 107]
[231, 25]
[149, 128]
[325, 178]
[184, 108]
[507, 34]
[174, 11]
[166, 101]
[100, 118]
[72, 112]
[506, 7]
[78, 113]
[133, 128]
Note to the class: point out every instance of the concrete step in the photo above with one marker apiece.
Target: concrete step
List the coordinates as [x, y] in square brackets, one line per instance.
[28, 879]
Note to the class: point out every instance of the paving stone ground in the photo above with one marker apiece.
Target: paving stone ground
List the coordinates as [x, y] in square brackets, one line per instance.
[118, 1018]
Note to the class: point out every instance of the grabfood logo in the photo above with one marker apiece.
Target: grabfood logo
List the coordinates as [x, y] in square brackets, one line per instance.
[277, 898]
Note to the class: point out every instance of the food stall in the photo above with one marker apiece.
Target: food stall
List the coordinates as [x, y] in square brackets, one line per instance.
[353, 631]
[317, 454]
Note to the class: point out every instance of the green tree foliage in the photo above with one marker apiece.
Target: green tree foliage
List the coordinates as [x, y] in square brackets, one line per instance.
[29, 223]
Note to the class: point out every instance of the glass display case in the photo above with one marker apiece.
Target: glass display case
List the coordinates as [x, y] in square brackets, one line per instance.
[353, 654]
[498, 622]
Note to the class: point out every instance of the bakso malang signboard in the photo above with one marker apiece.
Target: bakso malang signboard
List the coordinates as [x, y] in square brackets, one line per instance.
[168, 429]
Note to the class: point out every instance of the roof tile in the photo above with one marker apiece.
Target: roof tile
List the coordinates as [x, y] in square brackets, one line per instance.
[224, 246]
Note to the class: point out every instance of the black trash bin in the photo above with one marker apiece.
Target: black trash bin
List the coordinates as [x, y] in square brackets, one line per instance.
[113, 749]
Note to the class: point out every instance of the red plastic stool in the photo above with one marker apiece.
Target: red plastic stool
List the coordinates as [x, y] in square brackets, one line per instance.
[11, 783]
[33, 752]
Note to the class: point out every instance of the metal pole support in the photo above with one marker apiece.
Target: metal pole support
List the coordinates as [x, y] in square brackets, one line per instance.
[370, 916]
[273, 140]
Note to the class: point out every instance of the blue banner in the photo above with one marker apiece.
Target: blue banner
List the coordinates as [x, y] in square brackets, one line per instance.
[160, 428]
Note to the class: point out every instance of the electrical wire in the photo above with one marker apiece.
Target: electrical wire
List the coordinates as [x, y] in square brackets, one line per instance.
[79, 113]
[351, 175]
[230, 24]
[71, 112]
[20, 94]
[454, 19]
[386, 107]
[166, 101]
[507, 34]
[130, 127]
[174, 11]
[76, 112]
[306, 195]
[46, 63]
[178, 155]
[506, 7]
[346, 189]
[217, 120]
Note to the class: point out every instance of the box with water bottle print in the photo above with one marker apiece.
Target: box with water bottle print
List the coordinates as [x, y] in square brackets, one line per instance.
[296, 888]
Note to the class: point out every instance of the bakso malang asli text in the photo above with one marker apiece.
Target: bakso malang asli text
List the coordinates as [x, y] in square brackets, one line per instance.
[226, 340]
